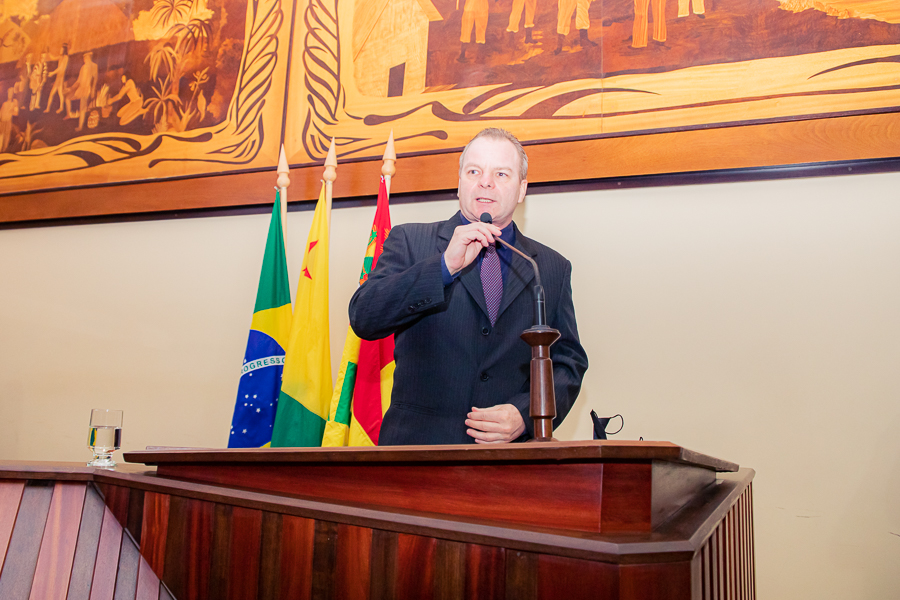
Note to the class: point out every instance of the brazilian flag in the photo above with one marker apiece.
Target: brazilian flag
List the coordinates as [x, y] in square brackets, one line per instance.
[257, 397]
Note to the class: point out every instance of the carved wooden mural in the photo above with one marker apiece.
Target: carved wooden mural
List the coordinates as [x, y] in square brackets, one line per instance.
[106, 91]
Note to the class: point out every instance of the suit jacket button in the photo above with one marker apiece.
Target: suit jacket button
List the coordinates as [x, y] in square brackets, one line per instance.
[485, 330]
[485, 377]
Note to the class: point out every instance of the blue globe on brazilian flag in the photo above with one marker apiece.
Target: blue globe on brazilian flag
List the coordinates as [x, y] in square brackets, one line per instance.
[257, 400]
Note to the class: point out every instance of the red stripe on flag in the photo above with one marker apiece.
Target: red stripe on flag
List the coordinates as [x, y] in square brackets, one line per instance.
[373, 355]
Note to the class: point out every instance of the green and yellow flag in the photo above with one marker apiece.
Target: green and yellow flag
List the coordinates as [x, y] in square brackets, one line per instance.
[306, 384]
[362, 392]
[260, 382]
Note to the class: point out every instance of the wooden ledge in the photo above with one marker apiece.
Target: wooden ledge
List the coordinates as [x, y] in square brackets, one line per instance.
[552, 452]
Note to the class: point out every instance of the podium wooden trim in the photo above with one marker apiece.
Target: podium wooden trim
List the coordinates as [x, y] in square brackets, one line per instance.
[237, 538]
[597, 487]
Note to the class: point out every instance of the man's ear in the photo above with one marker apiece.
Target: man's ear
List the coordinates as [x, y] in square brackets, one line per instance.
[522, 188]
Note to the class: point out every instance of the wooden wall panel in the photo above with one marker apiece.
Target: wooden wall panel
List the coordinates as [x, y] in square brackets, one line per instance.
[485, 572]
[726, 560]
[135, 521]
[324, 560]
[269, 557]
[662, 581]
[383, 565]
[117, 498]
[353, 562]
[568, 490]
[220, 553]
[54, 564]
[802, 142]
[449, 570]
[10, 495]
[521, 575]
[147, 583]
[573, 579]
[103, 584]
[127, 572]
[246, 538]
[626, 504]
[25, 542]
[297, 542]
[233, 544]
[188, 544]
[751, 541]
[86, 548]
[415, 566]
[155, 524]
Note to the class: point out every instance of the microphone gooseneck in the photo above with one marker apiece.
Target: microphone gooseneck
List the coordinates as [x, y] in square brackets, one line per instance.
[540, 309]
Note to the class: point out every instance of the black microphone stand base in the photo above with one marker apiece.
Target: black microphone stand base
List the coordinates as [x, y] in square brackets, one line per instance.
[543, 398]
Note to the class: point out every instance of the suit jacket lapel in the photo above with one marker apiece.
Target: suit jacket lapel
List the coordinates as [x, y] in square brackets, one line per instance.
[518, 275]
[470, 277]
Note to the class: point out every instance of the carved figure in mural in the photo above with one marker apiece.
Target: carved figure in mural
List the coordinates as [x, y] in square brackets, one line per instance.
[475, 16]
[84, 89]
[135, 106]
[684, 8]
[24, 76]
[59, 84]
[641, 12]
[565, 8]
[515, 15]
[197, 68]
[36, 81]
[8, 110]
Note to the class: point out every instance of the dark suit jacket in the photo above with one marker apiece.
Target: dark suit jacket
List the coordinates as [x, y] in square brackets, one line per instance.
[448, 357]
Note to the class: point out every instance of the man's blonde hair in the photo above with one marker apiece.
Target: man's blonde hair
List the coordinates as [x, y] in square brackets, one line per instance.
[495, 133]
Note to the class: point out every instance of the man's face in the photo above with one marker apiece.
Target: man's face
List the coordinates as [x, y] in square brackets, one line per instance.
[490, 182]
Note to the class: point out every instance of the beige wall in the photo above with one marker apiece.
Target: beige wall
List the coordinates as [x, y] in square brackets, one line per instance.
[758, 322]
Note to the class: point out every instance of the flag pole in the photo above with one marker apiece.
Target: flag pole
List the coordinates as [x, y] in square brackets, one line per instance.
[283, 181]
[390, 157]
[329, 176]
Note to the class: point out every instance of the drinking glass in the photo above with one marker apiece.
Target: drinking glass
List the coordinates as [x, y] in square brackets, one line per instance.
[104, 437]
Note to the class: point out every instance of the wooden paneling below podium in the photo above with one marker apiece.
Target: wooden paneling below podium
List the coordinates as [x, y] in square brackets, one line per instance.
[246, 535]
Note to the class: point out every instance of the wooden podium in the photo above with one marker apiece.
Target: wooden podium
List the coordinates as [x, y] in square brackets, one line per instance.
[567, 520]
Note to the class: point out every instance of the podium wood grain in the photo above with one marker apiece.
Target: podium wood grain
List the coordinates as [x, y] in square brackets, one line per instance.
[213, 541]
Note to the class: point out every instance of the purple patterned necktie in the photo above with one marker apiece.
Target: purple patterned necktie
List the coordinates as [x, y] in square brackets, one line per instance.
[492, 282]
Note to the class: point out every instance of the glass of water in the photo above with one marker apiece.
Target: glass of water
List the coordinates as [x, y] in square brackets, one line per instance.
[104, 437]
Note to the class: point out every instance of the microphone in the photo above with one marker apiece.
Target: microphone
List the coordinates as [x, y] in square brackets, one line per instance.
[540, 309]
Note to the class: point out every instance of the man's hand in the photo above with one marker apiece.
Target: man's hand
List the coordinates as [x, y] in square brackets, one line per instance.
[497, 424]
[466, 243]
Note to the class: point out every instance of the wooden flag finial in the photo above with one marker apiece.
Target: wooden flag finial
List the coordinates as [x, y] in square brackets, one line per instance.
[330, 164]
[390, 157]
[284, 179]
[387, 167]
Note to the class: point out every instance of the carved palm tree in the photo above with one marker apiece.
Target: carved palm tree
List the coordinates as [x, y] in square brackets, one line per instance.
[160, 106]
[165, 12]
[193, 35]
[161, 55]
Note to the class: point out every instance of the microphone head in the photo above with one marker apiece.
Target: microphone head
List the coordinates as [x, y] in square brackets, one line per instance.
[486, 218]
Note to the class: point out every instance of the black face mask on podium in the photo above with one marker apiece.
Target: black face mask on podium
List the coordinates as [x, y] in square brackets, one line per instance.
[600, 424]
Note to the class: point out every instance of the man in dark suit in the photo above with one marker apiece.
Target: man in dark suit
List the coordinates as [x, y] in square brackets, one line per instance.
[462, 372]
